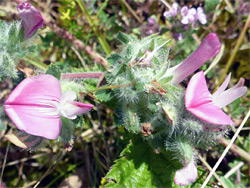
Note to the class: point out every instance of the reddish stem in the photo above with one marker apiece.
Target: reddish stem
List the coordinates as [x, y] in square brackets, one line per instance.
[81, 75]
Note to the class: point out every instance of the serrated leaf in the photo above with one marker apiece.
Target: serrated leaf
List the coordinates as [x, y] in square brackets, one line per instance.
[139, 166]
[54, 70]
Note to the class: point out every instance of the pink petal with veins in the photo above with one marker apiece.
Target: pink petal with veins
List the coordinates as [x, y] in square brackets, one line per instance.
[32, 106]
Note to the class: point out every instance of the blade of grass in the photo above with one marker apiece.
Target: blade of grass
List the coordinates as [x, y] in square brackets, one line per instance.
[99, 35]
[37, 64]
[235, 50]
[4, 162]
[209, 168]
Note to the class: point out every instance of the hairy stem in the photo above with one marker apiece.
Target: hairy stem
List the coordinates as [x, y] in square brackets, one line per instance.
[81, 75]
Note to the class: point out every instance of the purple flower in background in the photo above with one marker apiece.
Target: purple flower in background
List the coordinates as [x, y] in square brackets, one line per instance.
[36, 104]
[186, 175]
[207, 107]
[178, 36]
[31, 18]
[201, 16]
[209, 47]
[173, 11]
[188, 15]
[151, 21]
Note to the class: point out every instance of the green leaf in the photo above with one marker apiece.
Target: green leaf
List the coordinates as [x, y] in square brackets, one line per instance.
[139, 166]
[68, 127]
[114, 59]
[54, 70]
[123, 38]
[103, 95]
[227, 182]
[21, 34]
[210, 5]
[13, 35]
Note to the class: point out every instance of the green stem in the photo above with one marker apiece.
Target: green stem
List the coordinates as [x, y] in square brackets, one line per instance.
[99, 35]
[110, 87]
[37, 64]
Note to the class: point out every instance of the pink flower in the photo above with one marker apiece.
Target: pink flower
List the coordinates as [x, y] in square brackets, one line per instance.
[188, 15]
[209, 47]
[207, 107]
[173, 11]
[31, 18]
[201, 16]
[186, 175]
[36, 104]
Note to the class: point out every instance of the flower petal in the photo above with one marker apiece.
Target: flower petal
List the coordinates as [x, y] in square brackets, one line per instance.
[211, 113]
[40, 90]
[186, 175]
[32, 106]
[199, 102]
[197, 93]
[229, 96]
[34, 120]
[209, 47]
[69, 108]
[80, 108]
[222, 88]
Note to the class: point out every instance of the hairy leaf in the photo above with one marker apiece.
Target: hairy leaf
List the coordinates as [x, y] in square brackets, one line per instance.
[139, 166]
[54, 70]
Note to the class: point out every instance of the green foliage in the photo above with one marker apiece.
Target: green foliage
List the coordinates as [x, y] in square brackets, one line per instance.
[67, 130]
[236, 108]
[103, 95]
[210, 5]
[227, 182]
[140, 166]
[67, 85]
[54, 71]
[12, 48]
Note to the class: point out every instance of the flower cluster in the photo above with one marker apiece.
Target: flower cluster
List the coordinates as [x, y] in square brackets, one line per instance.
[171, 119]
[189, 15]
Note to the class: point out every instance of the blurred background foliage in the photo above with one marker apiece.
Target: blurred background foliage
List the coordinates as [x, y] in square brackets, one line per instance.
[97, 141]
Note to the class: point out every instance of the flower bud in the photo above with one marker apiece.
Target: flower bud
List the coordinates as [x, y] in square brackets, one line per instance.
[31, 19]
